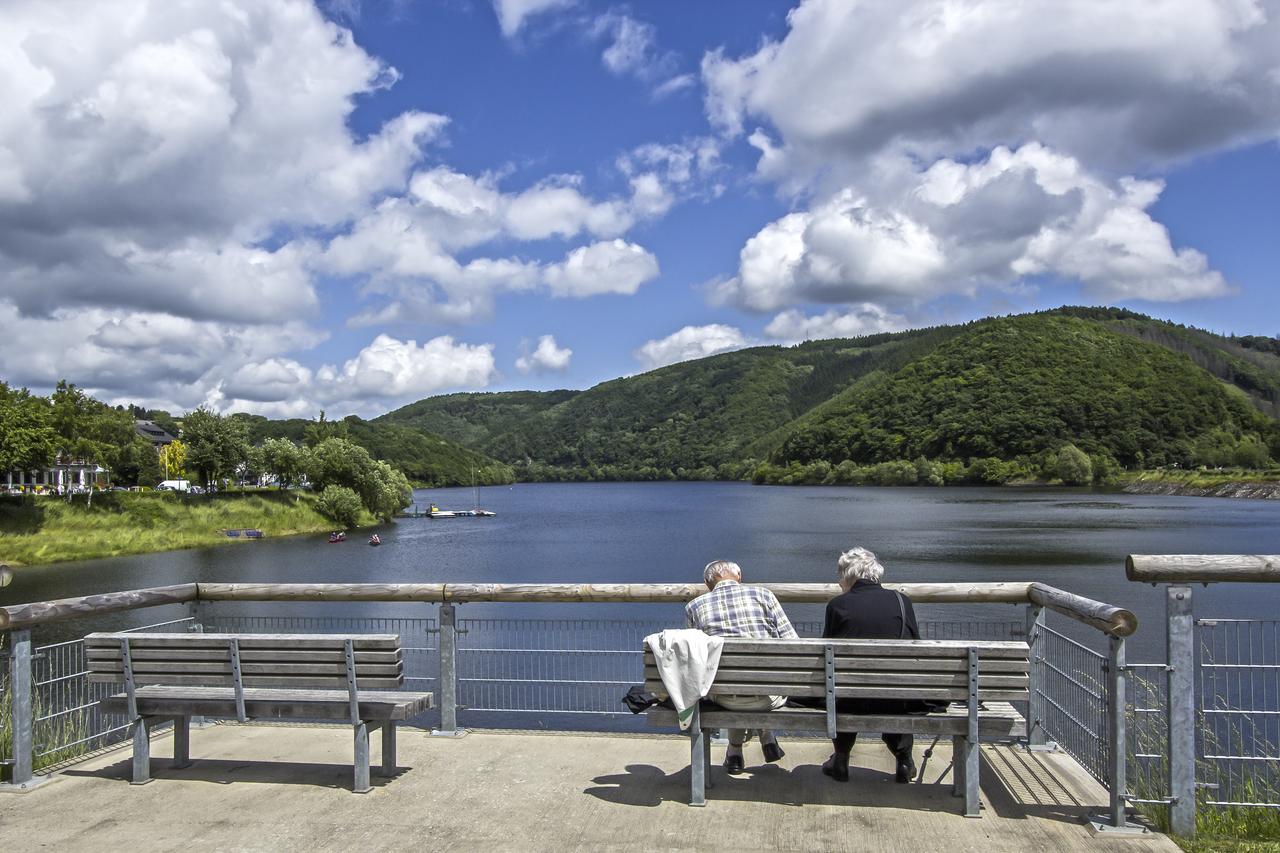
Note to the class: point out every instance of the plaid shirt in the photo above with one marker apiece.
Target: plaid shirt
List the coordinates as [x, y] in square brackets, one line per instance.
[734, 610]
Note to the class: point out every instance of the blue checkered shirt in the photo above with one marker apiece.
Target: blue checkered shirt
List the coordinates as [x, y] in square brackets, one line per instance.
[735, 610]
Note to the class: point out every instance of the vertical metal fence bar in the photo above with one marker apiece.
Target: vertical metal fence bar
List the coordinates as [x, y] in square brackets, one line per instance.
[1182, 710]
[22, 716]
[448, 672]
[1036, 738]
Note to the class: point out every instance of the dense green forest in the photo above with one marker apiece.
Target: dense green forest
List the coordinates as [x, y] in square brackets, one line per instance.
[989, 401]
[1071, 395]
[426, 459]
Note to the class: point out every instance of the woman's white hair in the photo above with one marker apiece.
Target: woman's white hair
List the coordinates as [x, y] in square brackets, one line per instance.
[717, 569]
[859, 564]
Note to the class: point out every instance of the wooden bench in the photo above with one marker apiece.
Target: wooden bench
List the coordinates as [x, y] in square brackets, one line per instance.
[261, 676]
[986, 675]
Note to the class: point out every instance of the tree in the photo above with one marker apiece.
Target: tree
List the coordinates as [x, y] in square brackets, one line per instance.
[340, 504]
[89, 433]
[173, 459]
[138, 463]
[338, 462]
[1074, 467]
[216, 445]
[319, 430]
[284, 459]
[27, 440]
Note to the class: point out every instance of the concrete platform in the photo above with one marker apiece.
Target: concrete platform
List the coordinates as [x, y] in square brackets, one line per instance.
[271, 787]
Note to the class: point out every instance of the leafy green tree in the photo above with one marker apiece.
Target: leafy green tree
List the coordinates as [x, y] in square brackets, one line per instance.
[284, 459]
[1074, 466]
[216, 445]
[138, 463]
[88, 432]
[340, 504]
[320, 430]
[27, 440]
[339, 462]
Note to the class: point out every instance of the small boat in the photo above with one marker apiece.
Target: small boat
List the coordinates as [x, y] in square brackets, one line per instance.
[375, 540]
[337, 536]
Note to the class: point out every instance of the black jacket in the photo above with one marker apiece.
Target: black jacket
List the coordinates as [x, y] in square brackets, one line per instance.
[868, 611]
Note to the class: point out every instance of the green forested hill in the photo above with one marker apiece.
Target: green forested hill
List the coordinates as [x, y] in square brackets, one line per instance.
[1129, 390]
[426, 459]
[1025, 386]
[700, 418]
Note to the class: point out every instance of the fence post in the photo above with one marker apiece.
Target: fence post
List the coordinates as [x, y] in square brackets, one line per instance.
[448, 692]
[21, 716]
[1037, 738]
[1182, 710]
[1116, 818]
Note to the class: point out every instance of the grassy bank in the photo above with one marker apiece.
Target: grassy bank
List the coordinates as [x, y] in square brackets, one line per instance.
[37, 530]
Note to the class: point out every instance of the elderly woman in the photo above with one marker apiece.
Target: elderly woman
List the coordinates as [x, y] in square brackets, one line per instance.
[866, 610]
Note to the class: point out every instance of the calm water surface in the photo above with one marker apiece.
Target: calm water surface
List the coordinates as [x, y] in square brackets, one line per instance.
[661, 532]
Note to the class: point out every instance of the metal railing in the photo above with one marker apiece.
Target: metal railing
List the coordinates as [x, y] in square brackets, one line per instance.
[1219, 725]
[541, 668]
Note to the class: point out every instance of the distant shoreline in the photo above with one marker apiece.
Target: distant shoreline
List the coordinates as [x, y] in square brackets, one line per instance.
[1243, 489]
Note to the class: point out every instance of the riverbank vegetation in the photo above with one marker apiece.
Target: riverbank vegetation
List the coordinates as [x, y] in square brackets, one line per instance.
[37, 529]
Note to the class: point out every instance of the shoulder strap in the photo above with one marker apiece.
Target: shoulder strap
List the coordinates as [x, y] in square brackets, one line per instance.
[902, 614]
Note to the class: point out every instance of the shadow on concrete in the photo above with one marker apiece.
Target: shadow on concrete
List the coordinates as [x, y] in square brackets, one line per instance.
[648, 786]
[227, 772]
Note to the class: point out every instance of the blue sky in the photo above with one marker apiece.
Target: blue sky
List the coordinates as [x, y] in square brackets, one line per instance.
[285, 207]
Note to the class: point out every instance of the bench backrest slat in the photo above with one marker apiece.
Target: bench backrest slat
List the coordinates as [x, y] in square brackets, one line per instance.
[889, 669]
[304, 661]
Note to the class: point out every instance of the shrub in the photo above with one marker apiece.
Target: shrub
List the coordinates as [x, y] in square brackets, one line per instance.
[1074, 467]
[340, 504]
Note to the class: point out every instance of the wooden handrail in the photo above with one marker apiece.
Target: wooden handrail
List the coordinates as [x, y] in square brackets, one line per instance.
[1203, 568]
[1104, 617]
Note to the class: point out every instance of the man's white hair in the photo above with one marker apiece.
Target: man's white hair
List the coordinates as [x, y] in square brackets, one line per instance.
[859, 564]
[717, 569]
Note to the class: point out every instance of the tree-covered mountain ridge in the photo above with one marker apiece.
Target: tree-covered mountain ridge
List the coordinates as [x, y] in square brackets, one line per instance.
[990, 400]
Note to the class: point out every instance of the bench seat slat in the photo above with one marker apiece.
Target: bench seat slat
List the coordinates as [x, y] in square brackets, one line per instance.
[299, 682]
[997, 719]
[272, 703]
[247, 641]
[753, 661]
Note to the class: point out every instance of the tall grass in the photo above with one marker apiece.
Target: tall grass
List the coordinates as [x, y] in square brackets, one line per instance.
[1228, 828]
[36, 529]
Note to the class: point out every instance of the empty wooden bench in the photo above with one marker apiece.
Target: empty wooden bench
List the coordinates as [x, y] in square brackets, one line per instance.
[255, 676]
[987, 675]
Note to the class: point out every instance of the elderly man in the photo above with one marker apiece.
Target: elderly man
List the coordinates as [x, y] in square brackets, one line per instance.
[733, 610]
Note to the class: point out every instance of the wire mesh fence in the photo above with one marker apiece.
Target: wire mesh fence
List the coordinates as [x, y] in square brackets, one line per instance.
[1073, 696]
[68, 717]
[1238, 739]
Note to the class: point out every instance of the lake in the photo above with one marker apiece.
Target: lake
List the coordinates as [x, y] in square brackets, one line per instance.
[663, 532]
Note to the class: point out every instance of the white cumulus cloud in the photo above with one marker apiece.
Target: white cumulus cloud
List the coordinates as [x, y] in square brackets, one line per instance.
[546, 357]
[866, 319]
[513, 13]
[688, 343]
[613, 266]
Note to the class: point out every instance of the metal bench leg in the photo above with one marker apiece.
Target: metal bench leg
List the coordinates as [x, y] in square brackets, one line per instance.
[972, 752]
[697, 765]
[957, 766]
[388, 747]
[141, 751]
[706, 761]
[362, 785]
[181, 742]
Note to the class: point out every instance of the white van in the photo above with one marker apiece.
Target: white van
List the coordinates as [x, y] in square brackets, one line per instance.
[173, 486]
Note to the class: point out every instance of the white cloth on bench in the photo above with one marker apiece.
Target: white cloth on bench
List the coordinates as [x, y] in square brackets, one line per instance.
[687, 661]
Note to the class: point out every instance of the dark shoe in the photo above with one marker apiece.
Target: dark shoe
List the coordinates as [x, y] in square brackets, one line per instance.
[733, 764]
[772, 751]
[906, 770]
[837, 767]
